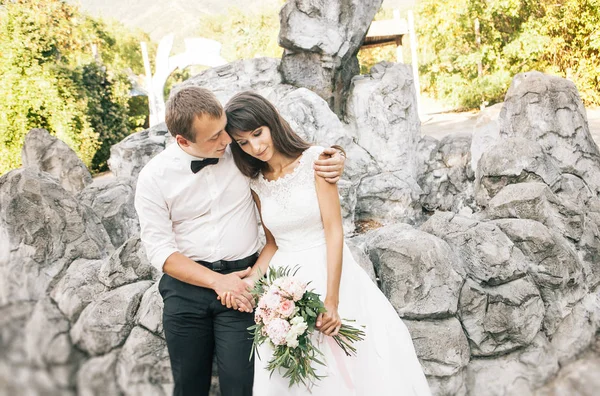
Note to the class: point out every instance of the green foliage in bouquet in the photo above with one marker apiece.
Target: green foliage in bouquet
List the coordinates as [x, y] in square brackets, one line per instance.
[297, 360]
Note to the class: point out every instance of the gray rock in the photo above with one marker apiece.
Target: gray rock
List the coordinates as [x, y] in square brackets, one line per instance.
[130, 155]
[46, 230]
[388, 197]
[320, 41]
[447, 183]
[106, 322]
[485, 133]
[78, 287]
[97, 376]
[441, 346]
[29, 381]
[127, 264]
[13, 318]
[577, 378]
[416, 271]
[310, 117]
[382, 111]
[49, 154]
[363, 260]
[555, 268]
[535, 201]
[143, 366]
[454, 385]
[112, 201]
[502, 318]
[47, 336]
[489, 256]
[548, 110]
[513, 160]
[572, 189]
[150, 312]
[576, 333]
[257, 74]
[425, 149]
[517, 373]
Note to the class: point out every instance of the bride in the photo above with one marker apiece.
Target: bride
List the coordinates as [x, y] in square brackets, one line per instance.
[303, 226]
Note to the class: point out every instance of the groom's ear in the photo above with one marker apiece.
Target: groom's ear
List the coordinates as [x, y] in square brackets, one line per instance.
[183, 142]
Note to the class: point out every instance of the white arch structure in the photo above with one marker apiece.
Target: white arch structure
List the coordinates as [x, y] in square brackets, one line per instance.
[198, 51]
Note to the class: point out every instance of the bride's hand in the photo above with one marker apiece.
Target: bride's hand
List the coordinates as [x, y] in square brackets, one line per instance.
[329, 323]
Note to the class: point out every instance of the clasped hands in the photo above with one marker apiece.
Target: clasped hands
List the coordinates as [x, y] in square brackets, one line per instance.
[233, 290]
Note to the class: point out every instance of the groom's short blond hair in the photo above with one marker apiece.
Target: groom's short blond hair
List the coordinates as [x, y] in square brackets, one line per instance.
[185, 104]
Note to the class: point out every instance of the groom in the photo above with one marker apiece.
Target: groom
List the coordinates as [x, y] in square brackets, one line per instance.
[199, 227]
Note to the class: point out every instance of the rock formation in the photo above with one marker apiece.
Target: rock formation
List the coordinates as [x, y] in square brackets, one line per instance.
[487, 246]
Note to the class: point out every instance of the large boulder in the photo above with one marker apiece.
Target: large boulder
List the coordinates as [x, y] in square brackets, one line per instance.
[556, 268]
[548, 110]
[78, 287]
[579, 329]
[510, 161]
[106, 322]
[440, 344]
[128, 264]
[577, 378]
[112, 200]
[388, 197]
[143, 366]
[517, 373]
[49, 154]
[150, 312]
[97, 376]
[130, 155]
[416, 271]
[488, 255]
[502, 318]
[486, 133]
[536, 201]
[48, 345]
[44, 229]
[447, 182]
[258, 74]
[320, 41]
[382, 110]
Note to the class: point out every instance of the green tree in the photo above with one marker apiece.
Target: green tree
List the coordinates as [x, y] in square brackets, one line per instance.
[244, 34]
[553, 36]
[50, 78]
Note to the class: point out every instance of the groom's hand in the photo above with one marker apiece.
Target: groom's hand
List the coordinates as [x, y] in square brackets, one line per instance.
[330, 165]
[238, 289]
[229, 301]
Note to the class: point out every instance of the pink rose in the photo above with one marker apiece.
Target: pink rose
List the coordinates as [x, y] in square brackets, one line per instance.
[286, 308]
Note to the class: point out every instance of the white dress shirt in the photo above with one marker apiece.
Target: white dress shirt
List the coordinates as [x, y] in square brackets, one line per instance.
[205, 216]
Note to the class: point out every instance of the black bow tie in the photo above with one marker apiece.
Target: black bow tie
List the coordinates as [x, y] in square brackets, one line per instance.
[198, 165]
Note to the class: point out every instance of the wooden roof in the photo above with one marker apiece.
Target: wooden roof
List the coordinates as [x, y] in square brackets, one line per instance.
[386, 32]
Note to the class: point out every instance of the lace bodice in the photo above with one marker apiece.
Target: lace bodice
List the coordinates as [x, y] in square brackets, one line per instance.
[289, 205]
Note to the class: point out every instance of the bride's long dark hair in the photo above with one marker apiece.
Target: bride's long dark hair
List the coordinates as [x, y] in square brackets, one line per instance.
[247, 111]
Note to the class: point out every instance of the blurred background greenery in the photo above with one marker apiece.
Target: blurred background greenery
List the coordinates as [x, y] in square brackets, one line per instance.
[73, 74]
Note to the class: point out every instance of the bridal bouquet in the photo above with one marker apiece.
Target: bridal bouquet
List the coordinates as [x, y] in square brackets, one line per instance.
[286, 316]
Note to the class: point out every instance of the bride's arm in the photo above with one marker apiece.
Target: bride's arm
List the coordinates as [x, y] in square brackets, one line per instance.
[262, 263]
[331, 214]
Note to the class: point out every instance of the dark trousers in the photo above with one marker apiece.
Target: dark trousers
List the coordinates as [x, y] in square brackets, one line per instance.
[196, 327]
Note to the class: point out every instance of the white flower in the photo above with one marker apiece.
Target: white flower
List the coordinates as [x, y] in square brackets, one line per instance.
[277, 330]
[291, 339]
[299, 326]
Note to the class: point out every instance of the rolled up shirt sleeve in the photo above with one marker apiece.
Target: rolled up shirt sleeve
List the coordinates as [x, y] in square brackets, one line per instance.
[155, 222]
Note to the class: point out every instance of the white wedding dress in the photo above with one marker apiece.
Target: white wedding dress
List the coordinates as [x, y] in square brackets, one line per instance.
[386, 363]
